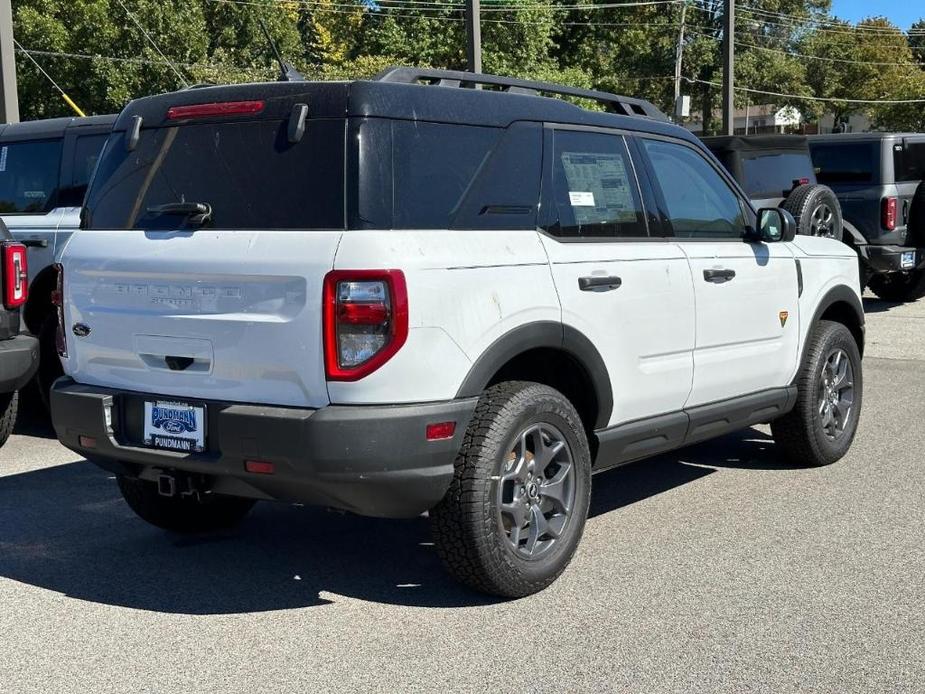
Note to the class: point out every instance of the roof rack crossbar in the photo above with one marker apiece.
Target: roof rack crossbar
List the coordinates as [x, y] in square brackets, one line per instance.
[453, 78]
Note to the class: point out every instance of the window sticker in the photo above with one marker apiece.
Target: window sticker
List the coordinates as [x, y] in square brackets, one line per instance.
[581, 199]
[602, 186]
[3, 153]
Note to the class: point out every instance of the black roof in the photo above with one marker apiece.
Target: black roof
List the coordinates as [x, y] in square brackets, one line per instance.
[424, 95]
[53, 127]
[755, 143]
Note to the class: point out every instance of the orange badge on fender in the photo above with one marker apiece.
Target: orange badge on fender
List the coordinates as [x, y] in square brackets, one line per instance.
[783, 315]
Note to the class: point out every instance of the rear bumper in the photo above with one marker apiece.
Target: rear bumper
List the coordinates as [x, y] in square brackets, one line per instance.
[19, 359]
[371, 460]
[884, 259]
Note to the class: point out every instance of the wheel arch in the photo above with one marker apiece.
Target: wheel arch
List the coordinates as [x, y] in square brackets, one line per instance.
[841, 305]
[557, 355]
[39, 305]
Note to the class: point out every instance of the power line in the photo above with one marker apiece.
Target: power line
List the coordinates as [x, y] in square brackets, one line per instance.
[67, 99]
[153, 43]
[830, 99]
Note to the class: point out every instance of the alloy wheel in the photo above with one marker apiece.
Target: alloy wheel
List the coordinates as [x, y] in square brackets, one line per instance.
[822, 222]
[836, 393]
[536, 490]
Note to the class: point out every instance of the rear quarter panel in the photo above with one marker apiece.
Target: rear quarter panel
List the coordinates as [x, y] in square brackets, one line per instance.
[465, 290]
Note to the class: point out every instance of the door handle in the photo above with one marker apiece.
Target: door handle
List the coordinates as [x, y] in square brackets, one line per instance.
[719, 276]
[599, 283]
[35, 243]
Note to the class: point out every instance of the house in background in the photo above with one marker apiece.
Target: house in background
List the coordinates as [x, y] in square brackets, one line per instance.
[757, 120]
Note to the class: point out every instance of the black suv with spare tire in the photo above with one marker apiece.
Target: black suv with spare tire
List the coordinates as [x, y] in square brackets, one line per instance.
[777, 171]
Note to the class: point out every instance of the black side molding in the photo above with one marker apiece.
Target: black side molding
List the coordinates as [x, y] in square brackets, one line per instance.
[647, 437]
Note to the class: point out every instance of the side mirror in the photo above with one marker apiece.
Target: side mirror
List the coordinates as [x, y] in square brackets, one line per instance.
[775, 224]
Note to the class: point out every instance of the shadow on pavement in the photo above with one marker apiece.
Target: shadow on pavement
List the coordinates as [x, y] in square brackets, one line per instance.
[879, 305]
[66, 529]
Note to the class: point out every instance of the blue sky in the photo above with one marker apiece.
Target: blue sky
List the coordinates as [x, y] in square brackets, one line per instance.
[901, 12]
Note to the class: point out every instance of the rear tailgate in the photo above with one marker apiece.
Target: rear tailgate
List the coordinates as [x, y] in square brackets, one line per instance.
[230, 315]
[222, 302]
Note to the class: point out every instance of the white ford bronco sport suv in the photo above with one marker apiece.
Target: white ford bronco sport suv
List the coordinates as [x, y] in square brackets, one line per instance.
[406, 294]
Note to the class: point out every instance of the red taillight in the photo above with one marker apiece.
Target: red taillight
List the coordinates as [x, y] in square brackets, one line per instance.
[888, 216]
[441, 430]
[15, 275]
[223, 108]
[259, 467]
[57, 299]
[365, 321]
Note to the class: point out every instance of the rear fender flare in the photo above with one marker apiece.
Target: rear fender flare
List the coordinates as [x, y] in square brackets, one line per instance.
[543, 334]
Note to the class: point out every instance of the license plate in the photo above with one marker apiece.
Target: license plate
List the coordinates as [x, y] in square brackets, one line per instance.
[175, 426]
[907, 262]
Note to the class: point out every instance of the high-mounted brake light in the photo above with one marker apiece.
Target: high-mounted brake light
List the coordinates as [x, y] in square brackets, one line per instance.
[15, 275]
[888, 213]
[57, 300]
[221, 108]
[365, 321]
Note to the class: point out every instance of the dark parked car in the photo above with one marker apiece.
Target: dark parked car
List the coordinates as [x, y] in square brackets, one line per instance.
[875, 176]
[19, 354]
[777, 171]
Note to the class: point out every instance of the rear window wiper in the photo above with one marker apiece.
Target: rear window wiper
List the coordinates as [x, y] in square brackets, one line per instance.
[198, 213]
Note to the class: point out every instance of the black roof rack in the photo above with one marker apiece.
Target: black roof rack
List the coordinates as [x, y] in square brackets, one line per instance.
[623, 105]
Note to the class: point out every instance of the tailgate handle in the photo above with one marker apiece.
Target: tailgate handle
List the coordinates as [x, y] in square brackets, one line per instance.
[178, 363]
[34, 243]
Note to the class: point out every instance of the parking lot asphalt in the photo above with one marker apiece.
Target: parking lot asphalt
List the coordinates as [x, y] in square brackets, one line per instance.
[712, 569]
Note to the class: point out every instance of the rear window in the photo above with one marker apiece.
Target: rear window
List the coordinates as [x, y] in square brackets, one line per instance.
[87, 150]
[846, 162]
[247, 171]
[909, 162]
[29, 176]
[774, 175]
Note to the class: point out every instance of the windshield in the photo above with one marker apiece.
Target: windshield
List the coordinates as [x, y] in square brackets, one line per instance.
[248, 173]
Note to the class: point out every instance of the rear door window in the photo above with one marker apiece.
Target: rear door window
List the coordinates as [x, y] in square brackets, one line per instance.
[248, 172]
[774, 175]
[594, 189]
[909, 161]
[29, 176]
[849, 162]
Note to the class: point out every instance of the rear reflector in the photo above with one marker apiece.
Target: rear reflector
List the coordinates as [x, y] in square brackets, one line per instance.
[15, 275]
[259, 467]
[224, 108]
[441, 430]
[86, 441]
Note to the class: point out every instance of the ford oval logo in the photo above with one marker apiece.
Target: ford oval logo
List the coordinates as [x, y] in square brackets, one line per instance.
[81, 330]
[172, 427]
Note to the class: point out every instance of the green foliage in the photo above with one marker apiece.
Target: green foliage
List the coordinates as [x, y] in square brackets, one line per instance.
[97, 53]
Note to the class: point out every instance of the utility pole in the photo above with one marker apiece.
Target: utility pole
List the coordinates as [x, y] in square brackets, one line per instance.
[679, 55]
[9, 99]
[729, 122]
[473, 36]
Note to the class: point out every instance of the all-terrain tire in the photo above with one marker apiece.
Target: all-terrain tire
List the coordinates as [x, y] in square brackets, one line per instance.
[800, 435]
[50, 369]
[467, 524]
[9, 408]
[182, 514]
[816, 211]
[900, 287]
